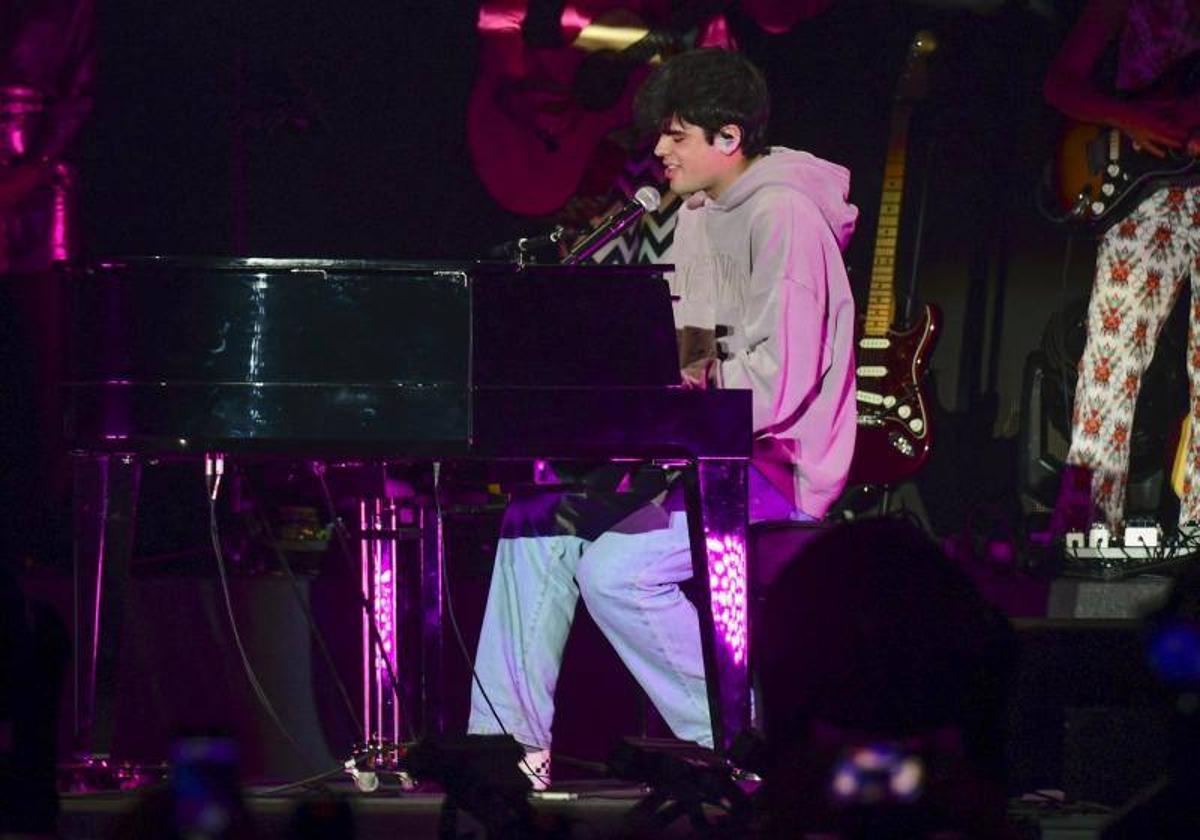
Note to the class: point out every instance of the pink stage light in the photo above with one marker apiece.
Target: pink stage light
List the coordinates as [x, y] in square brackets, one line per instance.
[379, 570]
[727, 585]
[60, 228]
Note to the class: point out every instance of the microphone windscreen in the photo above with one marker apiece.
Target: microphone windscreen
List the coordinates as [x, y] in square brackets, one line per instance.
[648, 197]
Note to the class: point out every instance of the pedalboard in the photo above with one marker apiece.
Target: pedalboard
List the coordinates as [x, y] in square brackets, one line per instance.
[1098, 553]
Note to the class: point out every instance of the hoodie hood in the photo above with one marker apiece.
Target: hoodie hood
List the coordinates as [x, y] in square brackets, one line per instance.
[826, 184]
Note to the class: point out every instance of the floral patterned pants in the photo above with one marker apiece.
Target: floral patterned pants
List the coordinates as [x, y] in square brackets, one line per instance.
[1142, 264]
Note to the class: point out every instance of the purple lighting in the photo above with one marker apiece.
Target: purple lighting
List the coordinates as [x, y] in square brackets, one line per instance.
[383, 607]
[727, 585]
[379, 550]
[60, 245]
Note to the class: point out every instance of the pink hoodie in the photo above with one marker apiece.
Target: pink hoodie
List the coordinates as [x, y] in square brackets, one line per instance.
[765, 263]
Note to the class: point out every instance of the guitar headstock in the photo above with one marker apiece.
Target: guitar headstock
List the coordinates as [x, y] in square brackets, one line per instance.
[914, 81]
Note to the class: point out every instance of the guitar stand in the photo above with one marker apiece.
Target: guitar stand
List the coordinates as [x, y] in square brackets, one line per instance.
[892, 500]
[864, 500]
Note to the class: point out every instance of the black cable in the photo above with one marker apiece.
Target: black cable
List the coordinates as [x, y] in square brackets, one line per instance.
[251, 676]
[1068, 399]
[1041, 195]
[462, 645]
[309, 619]
[339, 528]
[311, 780]
[583, 764]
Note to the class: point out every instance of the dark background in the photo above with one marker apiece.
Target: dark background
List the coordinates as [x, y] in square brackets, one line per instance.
[338, 129]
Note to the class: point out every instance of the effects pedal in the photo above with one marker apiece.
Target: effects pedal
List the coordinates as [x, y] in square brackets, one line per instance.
[1140, 550]
[1144, 535]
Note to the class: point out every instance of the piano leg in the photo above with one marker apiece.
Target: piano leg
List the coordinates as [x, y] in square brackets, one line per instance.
[105, 511]
[715, 494]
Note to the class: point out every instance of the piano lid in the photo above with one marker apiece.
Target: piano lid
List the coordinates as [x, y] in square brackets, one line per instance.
[265, 353]
[290, 321]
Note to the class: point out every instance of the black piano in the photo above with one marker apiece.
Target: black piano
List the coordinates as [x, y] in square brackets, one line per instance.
[329, 359]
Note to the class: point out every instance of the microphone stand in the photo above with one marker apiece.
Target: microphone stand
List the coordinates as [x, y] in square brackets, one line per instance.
[520, 251]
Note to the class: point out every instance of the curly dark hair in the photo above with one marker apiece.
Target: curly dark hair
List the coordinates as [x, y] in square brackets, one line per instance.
[708, 87]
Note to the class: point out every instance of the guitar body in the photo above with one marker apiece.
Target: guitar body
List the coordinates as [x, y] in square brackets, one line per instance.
[1100, 176]
[533, 172]
[530, 136]
[538, 115]
[895, 429]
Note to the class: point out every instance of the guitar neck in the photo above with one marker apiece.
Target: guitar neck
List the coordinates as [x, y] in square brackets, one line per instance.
[881, 300]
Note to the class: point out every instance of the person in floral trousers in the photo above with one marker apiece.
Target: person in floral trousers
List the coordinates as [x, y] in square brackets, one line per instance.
[1144, 259]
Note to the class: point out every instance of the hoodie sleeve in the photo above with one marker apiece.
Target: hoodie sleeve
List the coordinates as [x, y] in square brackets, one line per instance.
[785, 351]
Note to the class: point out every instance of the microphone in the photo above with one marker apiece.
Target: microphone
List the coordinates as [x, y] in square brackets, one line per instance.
[528, 244]
[646, 199]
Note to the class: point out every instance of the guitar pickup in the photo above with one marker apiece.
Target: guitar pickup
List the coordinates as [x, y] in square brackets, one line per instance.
[874, 343]
[871, 371]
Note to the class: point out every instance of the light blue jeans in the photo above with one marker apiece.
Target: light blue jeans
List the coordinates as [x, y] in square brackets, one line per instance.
[629, 578]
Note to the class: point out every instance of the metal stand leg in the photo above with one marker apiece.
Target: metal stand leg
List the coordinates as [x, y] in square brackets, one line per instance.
[381, 583]
[715, 493]
[106, 490]
[401, 557]
[432, 569]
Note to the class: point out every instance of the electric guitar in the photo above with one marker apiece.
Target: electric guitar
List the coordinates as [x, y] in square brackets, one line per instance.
[895, 434]
[538, 115]
[1098, 174]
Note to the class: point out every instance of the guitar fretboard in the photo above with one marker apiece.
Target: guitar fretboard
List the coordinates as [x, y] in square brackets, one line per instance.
[881, 300]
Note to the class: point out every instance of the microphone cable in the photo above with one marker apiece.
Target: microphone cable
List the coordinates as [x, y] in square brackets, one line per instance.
[458, 636]
[306, 609]
[214, 468]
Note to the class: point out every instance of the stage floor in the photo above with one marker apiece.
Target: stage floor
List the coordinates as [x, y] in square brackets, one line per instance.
[592, 809]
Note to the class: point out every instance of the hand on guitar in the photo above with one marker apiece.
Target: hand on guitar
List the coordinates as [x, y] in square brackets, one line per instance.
[1187, 113]
[1153, 127]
